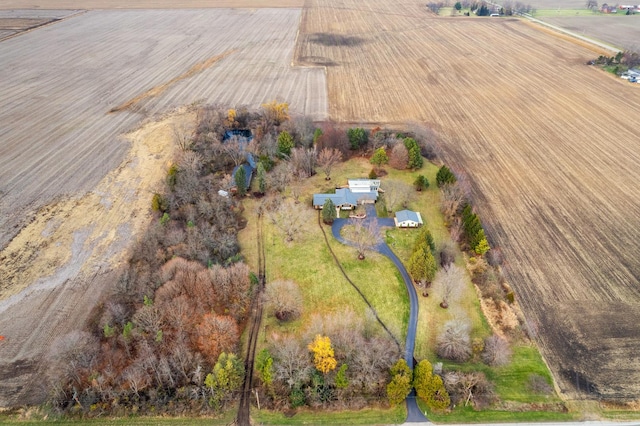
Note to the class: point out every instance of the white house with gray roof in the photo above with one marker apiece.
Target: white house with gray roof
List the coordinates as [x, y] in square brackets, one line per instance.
[408, 219]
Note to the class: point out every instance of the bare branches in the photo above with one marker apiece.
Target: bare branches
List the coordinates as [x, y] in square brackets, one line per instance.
[327, 158]
[450, 282]
[364, 235]
[290, 218]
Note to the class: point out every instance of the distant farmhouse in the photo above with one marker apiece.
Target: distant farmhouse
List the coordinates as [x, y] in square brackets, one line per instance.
[360, 191]
[408, 219]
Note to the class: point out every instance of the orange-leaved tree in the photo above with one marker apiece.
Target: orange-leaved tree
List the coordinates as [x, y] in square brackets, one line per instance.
[323, 356]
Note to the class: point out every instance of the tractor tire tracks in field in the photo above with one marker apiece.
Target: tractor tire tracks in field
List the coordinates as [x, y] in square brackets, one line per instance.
[243, 417]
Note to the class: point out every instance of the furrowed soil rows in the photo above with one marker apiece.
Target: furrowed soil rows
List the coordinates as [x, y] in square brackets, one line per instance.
[73, 193]
[552, 148]
[621, 31]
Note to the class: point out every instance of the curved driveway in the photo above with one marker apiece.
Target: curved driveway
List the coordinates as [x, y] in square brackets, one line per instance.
[413, 412]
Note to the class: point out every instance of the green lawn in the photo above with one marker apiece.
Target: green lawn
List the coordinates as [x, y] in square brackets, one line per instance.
[469, 415]
[370, 416]
[225, 419]
[308, 262]
[541, 13]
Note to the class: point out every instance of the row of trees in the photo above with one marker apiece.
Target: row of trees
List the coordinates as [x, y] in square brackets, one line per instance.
[429, 386]
[338, 361]
[166, 338]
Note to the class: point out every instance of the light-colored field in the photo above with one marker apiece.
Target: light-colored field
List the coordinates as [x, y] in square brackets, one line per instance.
[148, 4]
[548, 145]
[622, 31]
[73, 193]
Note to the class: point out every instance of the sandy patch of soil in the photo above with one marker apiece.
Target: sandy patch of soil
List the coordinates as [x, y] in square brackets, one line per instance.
[57, 267]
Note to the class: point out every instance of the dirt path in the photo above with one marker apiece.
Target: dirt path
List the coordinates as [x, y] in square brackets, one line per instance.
[244, 409]
[59, 266]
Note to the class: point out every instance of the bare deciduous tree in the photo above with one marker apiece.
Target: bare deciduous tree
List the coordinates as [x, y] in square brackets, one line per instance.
[280, 176]
[182, 135]
[469, 388]
[304, 161]
[496, 351]
[364, 235]
[327, 158]
[454, 342]
[450, 283]
[292, 364]
[397, 194]
[399, 158]
[284, 299]
[290, 218]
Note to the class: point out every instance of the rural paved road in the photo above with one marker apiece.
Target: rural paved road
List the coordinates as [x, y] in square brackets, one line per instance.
[589, 423]
[414, 415]
[572, 34]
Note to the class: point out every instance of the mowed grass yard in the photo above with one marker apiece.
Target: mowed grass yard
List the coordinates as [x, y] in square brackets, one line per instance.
[308, 262]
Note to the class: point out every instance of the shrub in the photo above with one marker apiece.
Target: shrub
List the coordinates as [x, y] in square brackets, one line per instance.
[373, 174]
[469, 387]
[496, 351]
[538, 384]
[454, 342]
[159, 203]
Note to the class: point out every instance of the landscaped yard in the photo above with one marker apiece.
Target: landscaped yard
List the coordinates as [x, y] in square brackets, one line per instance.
[308, 262]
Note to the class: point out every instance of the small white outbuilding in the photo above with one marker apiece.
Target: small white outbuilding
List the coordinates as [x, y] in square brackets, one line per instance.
[408, 219]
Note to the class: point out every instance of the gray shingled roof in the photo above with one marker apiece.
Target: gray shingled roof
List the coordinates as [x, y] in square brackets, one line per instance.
[404, 215]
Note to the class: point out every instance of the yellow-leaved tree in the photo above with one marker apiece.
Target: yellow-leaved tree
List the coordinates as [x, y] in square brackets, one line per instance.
[323, 356]
[276, 112]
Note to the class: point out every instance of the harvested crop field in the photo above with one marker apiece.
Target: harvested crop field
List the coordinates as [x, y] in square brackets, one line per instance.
[548, 144]
[149, 4]
[620, 31]
[74, 193]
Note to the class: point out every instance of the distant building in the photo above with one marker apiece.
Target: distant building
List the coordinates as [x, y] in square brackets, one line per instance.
[408, 219]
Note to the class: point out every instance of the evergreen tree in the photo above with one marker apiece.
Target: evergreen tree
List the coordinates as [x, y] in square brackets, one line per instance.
[285, 144]
[262, 178]
[357, 137]
[379, 157]
[341, 377]
[400, 384]
[429, 387]
[421, 183]
[415, 156]
[425, 239]
[422, 265]
[241, 181]
[445, 176]
[329, 213]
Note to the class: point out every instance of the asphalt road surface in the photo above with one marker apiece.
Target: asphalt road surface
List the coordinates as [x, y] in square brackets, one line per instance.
[414, 415]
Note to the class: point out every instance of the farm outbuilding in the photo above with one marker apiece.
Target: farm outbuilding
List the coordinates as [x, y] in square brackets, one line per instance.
[408, 219]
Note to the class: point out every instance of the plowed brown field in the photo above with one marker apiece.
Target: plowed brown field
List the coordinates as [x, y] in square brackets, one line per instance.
[74, 193]
[552, 148]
